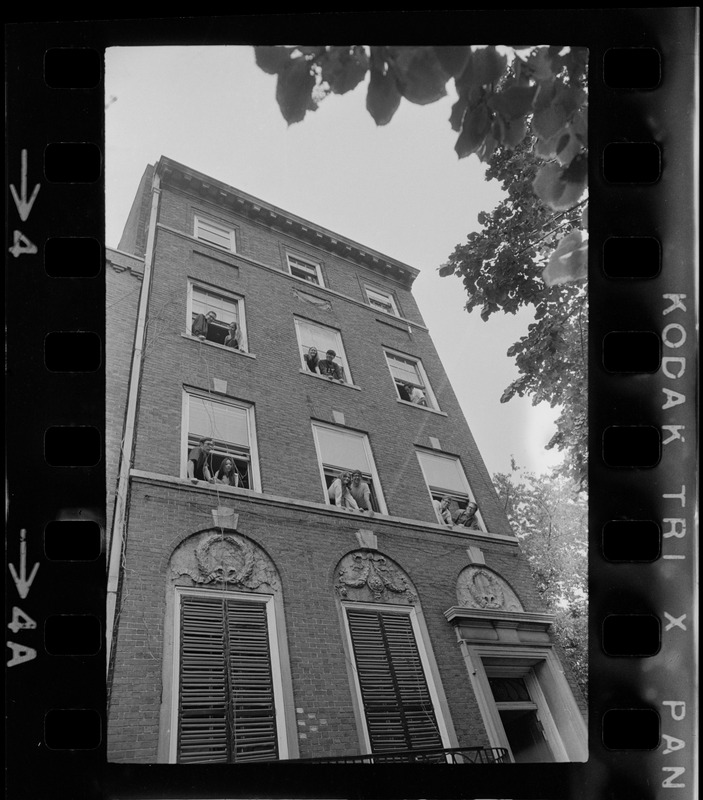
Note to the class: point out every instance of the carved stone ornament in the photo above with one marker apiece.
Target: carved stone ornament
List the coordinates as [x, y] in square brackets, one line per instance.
[224, 558]
[479, 587]
[371, 577]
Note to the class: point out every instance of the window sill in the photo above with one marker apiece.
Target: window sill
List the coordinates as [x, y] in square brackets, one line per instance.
[422, 408]
[217, 346]
[329, 380]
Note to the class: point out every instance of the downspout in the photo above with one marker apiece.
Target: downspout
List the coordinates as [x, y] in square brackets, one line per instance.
[117, 540]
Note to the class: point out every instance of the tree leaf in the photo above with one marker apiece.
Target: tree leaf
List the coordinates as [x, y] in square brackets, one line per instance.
[569, 262]
[419, 74]
[487, 66]
[476, 125]
[453, 59]
[513, 102]
[561, 188]
[343, 68]
[272, 59]
[294, 90]
[382, 97]
[456, 117]
[446, 270]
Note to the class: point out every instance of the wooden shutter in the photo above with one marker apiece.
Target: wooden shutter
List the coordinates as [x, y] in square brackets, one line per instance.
[226, 708]
[397, 703]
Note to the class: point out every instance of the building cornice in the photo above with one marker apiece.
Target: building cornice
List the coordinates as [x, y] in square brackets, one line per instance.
[180, 176]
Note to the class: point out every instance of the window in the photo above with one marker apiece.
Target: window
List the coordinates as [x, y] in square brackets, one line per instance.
[382, 300]
[411, 384]
[341, 450]
[215, 233]
[445, 476]
[229, 686]
[397, 699]
[231, 426]
[304, 268]
[227, 308]
[311, 334]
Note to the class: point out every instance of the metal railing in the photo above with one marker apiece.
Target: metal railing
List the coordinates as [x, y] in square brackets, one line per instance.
[447, 755]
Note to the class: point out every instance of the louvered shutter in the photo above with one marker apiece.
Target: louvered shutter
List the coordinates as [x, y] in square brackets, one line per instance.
[397, 703]
[226, 707]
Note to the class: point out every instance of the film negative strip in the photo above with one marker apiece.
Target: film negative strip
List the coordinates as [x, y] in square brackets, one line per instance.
[643, 362]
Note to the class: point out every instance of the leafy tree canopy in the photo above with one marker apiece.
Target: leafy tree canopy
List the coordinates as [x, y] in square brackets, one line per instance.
[550, 518]
[504, 96]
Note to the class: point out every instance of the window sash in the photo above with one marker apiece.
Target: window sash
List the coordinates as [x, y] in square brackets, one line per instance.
[226, 704]
[305, 270]
[382, 300]
[221, 236]
[443, 474]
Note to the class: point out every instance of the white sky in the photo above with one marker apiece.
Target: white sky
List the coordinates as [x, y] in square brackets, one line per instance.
[399, 189]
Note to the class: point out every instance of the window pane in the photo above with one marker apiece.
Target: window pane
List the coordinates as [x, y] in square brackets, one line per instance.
[223, 422]
[324, 339]
[210, 231]
[343, 450]
[442, 472]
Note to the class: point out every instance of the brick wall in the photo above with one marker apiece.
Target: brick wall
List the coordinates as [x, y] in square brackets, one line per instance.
[306, 549]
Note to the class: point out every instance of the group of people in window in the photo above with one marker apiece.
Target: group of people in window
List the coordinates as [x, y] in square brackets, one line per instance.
[326, 366]
[201, 466]
[462, 517]
[411, 393]
[351, 492]
[207, 327]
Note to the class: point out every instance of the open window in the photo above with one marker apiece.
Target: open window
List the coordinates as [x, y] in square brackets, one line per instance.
[230, 424]
[215, 233]
[342, 450]
[304, 268]
[228, 308]
[410, 380]
[445, 476]
[322, 338]
[383, 301]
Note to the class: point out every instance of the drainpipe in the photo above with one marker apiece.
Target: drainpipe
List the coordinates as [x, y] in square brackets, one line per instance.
[117, 539]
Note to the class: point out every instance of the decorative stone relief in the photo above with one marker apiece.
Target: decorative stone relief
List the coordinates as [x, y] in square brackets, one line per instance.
[371, 577]
[315, 301]
[225, 558]
[480, 587]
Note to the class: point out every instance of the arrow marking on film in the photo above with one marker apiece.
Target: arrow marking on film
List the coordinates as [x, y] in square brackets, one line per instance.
[24, 206]
[21, 581]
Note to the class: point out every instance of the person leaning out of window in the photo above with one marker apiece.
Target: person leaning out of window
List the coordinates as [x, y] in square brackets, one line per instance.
[329, 368]
[441, 507]
[227, 473]
[201, 324]
[199, 465]
[361, 492]
[233, 337]
[340, 494]
[466, 518]
[312, 359]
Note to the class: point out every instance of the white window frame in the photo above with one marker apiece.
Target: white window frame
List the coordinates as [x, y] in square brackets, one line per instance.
[340, 358]
[437, 705]
[201, 223]
[254, 473]
[338, 467]
[305, 264]
[564, 728]
[423, 380]
[380, 297]
[466, 497]
[235, 299]
[268, 600]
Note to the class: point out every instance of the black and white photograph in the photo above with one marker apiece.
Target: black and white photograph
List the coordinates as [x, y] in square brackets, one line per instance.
[346, 347]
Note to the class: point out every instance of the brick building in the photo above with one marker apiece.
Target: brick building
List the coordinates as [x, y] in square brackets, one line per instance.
[261, 620]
